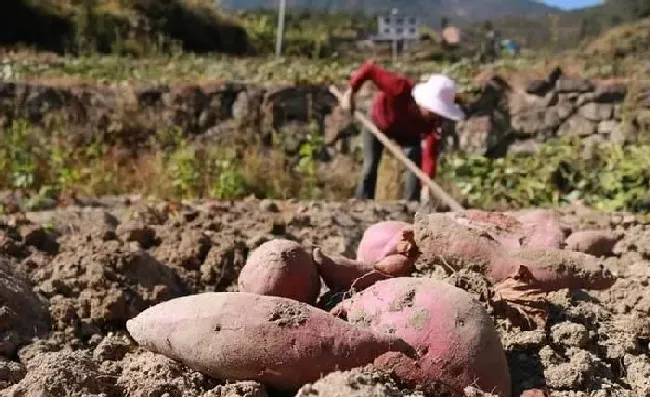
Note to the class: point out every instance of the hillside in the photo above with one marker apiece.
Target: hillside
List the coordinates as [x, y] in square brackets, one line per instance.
[430, 10]
[133, 27]
[568, 30]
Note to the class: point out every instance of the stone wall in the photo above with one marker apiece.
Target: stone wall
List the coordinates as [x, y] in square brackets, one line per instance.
[502, 118]
[131, 115]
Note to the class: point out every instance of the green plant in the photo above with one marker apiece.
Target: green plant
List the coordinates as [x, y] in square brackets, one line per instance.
[230, 183]
[607, 176]
[17, 156]
[307, 165]
[184, 171]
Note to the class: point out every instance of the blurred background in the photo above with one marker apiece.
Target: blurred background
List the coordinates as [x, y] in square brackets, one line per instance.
[182, 99]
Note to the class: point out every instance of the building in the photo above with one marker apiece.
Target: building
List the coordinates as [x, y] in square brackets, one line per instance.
[397, 27]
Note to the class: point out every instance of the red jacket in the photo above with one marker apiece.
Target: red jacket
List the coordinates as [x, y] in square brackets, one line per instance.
[396, 114]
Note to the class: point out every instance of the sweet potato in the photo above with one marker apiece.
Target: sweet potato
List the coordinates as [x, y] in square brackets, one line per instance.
[592, 242]
[242, 336]
[341, 274]
[455, 338]
[457, 241]
[281, 268]
[531, 228]
[542, 228]
[380, 240]
[553, 269]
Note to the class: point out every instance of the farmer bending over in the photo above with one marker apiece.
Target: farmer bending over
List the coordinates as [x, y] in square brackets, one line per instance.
[409, 113]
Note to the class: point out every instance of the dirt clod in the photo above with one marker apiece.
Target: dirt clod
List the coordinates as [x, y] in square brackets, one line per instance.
[10, 373]
[67, 373]
[23, 314]
[362, 382]
[239, 389]
[570, 334]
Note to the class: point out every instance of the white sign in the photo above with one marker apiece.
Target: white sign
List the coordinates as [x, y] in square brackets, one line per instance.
[398, 27]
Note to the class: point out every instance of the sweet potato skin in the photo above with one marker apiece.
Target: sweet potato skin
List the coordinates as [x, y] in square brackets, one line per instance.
[342, 274]
[243, 336]
[592, 242]
[542, 228]
[554, 269]
[460, 242]
[454, 336]
[379, 241]
[441, 237]
[281, 268]
[339, 272]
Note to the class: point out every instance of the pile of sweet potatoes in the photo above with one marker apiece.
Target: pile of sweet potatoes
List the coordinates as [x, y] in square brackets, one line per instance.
[428, 333]
[499, 244]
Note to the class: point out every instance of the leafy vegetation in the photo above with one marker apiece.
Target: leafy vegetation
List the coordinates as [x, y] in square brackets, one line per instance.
[314, 35]
[606, 176]
[41, 164]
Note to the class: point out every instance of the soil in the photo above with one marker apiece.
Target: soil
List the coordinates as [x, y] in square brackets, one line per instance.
[71, 277]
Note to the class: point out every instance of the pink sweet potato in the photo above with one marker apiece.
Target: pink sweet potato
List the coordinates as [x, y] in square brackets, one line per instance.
[531, 228]
[553, 269]
[457, 241]
[242, 336]
[542, 228]
[592, 242]
[456, 341]
[380, 240]
[342, 274]
[281, 268]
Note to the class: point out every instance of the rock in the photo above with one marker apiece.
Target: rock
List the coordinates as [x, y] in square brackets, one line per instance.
[597, 111]
[609, 127]
[539, 87]
[610, 93]
[522, 103]
[564, 85]
[531, 122]
[552, 119]
[618, 112]
[564, 110]
[577, 125]
[569, 98]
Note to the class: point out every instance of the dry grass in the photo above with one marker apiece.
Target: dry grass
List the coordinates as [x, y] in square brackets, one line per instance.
[389, 179]
[628, 38]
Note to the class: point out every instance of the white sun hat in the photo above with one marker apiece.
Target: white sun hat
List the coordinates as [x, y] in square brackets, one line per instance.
[437, 95]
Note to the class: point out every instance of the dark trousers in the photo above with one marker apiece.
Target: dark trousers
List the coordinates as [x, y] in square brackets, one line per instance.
[372, 152]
